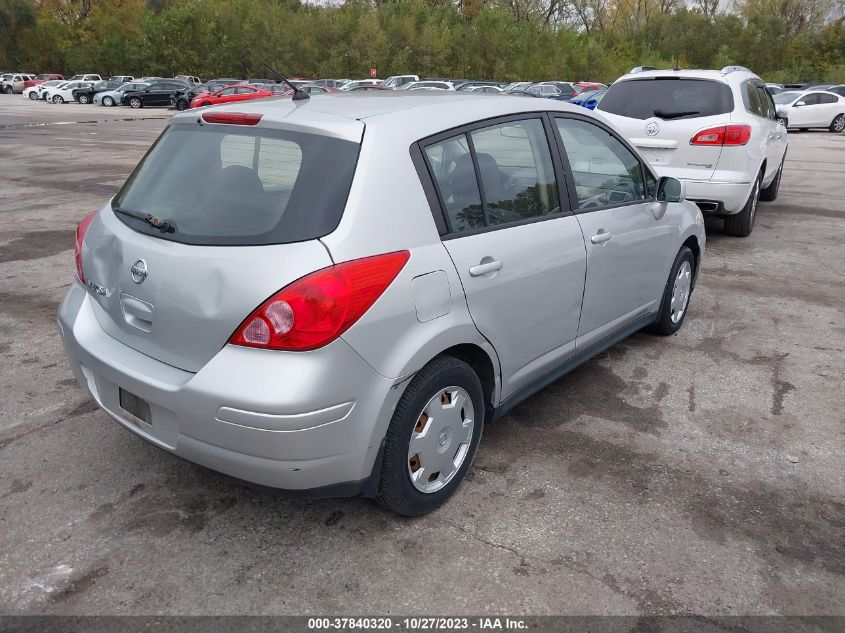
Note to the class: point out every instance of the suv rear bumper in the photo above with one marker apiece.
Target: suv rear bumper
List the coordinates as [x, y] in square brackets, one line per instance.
[730, 197]
[296, 421]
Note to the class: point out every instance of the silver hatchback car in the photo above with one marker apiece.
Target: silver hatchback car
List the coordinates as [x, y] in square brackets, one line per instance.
[337, 295]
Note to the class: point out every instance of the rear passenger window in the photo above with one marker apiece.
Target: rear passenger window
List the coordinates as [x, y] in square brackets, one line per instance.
[604, 170]
[827, 99]
[752, 99]
[516, 169]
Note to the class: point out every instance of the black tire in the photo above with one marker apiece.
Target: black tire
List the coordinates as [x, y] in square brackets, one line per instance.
[83, 99]
[741, 224]
[181, 105]
[108, 102]
[838, 124]
[33, 96]
[664, 324]
[396, 491]
[58, 99]
[8, 90]
[135, 103]
[770, 193]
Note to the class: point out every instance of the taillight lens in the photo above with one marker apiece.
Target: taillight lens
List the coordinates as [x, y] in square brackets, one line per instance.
[232, 118]
[80, 236]
[723, 135]
[316, 309]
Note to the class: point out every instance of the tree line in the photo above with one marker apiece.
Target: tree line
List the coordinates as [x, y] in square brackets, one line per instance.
[781, 40]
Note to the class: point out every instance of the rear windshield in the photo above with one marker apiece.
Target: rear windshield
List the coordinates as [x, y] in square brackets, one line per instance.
[233, 185]
[668, 98]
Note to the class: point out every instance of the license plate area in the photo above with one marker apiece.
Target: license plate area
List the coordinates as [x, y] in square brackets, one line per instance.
[136, 407]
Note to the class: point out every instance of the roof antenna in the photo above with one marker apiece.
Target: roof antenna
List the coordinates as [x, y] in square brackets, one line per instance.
[298, 93]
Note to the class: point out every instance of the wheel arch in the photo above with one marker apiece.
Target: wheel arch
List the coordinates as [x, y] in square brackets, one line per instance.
[481, 363]
[692, 243]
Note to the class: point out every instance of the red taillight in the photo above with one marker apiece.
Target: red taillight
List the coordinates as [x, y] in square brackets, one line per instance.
[80, 235]
[723, 135]
[232, 118]
[319, 307]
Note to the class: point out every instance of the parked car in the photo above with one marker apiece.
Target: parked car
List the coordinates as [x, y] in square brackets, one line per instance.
[583, 86]
[395, 82]
[159, 93]
[428, 85]
[111, 98]
[121, 79]
[392, 335]
[482, 89]
[63, 93]
[191, 80]
[40, 79]
[181, 99]
[517, 86]
[37, 92]
[86, 94]
[213, 85]
[229, 94]
[337, 84]
[470, 86]
[86, 77]
[835, 88]
[14, 82]
[352, 85]
[546, 91]
[566, 89]
[364, 87]
[718, 131]
[773, 89]
[812, 109]
[589, 99]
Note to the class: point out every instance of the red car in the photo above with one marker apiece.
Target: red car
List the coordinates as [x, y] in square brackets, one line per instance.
[40, 79]
[230, 94]
[584, 86]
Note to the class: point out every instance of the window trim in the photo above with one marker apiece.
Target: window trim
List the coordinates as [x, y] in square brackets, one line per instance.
[430, 185]
[574, 203]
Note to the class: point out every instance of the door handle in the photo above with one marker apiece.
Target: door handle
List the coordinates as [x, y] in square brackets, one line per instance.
[601, 236]
[487, 267]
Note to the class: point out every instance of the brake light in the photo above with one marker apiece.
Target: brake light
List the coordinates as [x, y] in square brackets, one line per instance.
[80, 236]
[316, 309]
[232, 118]
[723, 135]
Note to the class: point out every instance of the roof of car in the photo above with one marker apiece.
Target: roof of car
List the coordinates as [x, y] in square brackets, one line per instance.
[727, 74]
[405, 113]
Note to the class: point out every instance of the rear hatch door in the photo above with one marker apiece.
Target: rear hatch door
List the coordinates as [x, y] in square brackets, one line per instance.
[661, 115]
[248, 206]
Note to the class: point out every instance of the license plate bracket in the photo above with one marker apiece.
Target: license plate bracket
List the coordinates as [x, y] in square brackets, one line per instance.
[137, 407]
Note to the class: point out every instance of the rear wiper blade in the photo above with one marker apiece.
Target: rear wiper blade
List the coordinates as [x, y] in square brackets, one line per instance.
[165, 226]
[674, 115]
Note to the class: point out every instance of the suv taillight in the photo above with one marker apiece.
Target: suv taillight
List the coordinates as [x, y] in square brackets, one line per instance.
[314, 310]
[80, 236]
[723, 135]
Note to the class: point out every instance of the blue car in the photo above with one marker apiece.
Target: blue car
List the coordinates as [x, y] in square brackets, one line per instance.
[589, 99]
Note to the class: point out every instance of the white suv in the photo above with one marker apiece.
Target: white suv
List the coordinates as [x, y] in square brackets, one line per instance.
[716, 130]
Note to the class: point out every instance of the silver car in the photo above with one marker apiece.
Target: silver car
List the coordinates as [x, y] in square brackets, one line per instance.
[359, 283]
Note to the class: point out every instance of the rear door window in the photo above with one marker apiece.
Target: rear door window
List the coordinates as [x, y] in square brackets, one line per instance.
[667, 98]
[226, 185]
[827, 98]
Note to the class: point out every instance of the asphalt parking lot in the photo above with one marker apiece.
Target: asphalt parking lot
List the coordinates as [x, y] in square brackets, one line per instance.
[655, 479]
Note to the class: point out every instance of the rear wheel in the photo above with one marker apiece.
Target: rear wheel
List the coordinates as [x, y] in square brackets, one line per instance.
[84, 99]
[741, 224]
[676, 294]
[432, 437]
[838, 124]
[108, 102]
[181, 105]
[770, 193]
[135, 102]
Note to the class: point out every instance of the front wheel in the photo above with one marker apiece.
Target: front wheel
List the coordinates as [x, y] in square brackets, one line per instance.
[676, 294]
[741, 224]
[432, 437]
[84, 99]
[135, 102]
[181, 105]
[838, 124]
[8, 90]
[33, 96]
[58, 99]
[108, 102]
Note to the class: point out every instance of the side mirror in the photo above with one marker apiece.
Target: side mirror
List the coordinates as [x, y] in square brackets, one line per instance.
[670, 190]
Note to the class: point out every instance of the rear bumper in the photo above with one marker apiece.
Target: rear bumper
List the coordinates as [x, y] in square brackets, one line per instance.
[296, 421]
[730, 197]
